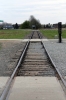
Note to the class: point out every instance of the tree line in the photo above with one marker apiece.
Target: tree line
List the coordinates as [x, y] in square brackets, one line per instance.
[32, 23]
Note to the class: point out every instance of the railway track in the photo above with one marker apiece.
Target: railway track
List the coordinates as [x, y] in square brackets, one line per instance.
[36, 62]
[33, 62]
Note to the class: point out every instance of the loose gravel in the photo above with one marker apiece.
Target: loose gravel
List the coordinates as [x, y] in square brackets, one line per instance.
[8, 52]
[57, 51]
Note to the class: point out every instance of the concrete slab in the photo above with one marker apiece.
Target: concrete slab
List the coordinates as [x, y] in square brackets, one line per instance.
[35, 40]
[23, 40]
[3, 82]
[44, 39]
[11, 39]
[56, 40]
[15, 40]
[38, 40]
[37, 88]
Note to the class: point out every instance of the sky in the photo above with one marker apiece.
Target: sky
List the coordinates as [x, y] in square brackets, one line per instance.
[46, 11]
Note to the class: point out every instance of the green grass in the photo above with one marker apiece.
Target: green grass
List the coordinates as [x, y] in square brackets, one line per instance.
[50, 33]
[63, 33]
[13, 34]
[20, 33]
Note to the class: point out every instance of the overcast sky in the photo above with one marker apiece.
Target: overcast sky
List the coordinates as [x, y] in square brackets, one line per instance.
[47, 11]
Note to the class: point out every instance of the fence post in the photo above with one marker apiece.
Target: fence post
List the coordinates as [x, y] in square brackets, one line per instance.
[60, 31]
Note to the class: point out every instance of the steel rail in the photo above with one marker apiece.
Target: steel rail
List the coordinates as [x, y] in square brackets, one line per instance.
[7, 87]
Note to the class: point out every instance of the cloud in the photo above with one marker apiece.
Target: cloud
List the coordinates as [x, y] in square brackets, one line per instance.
[41, 9]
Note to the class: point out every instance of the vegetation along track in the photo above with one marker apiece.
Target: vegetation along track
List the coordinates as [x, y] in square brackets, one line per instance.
[33, 62]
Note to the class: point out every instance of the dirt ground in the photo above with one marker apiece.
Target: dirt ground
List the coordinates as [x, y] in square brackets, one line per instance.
[8, 50]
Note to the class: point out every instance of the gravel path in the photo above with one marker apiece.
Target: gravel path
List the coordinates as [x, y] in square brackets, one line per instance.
[8, 51]
[57, 52]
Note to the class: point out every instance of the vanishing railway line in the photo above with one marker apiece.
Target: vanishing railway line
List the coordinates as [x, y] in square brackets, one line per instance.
[36, 62]
[33, 62]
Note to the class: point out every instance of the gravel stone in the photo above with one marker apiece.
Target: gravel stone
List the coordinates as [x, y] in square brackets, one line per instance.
[57, 51]
[8, 51]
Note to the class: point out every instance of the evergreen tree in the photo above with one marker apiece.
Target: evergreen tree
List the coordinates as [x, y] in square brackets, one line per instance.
[25, 25]
[16, 26]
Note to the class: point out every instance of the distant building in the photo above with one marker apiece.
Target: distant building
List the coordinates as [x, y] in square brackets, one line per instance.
[8, 26]
[33, 27]
[4, 25]
[55, 25]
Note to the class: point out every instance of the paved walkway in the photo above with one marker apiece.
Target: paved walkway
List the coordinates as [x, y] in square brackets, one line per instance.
[37, 88]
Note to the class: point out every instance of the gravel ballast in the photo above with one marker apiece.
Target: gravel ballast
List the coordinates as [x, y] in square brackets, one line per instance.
[10, 50]
[57, 51]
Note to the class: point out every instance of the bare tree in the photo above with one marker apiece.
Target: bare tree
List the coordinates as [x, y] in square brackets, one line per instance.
[34, 22]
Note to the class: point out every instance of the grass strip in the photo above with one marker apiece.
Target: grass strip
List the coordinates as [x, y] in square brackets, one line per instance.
[52, 33]
[13, 34]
